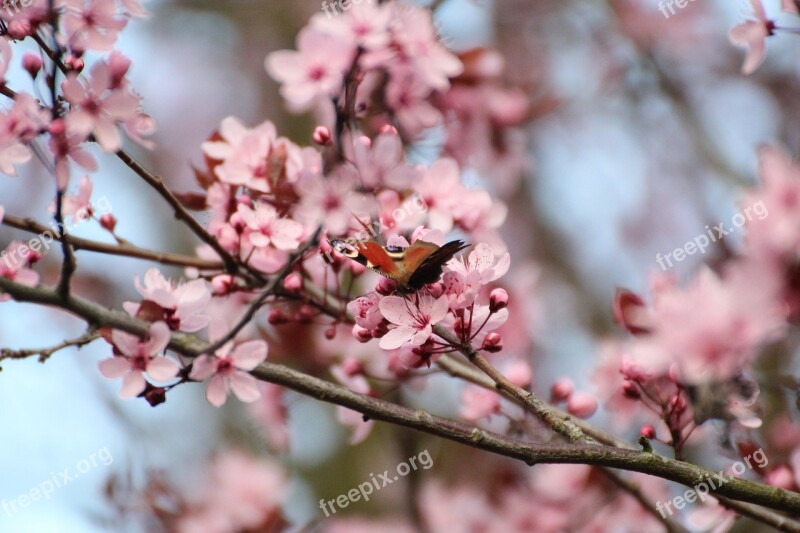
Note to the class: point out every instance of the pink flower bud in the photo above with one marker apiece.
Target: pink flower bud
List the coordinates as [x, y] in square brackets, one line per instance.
[277, 317]
[561, 390]
[293, 282]
[631, 313]
[385, 287]
[781, 477]
[108, 222]
[19, 29]
[582, 404]
[435, 289]
[648, 431]
[74, 63]
[57, 127]
[237, 222]
[118, 65]
[322, 136]
[330, 333]
[361, 334]
[245, 199]
[222, 284]
[492, 343]
[498, 299]
[388, 128]
[32, 63]
[519, 373]
[305, 314]
[630, 390]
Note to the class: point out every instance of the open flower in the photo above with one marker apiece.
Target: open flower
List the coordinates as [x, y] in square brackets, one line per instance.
[183, 306]
[268, 228]
[751, 34]
[230, 367]
[414, 320]
[483, 261]
[137, 358]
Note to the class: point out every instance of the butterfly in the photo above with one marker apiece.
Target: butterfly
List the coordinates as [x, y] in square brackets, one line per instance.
[411, 267]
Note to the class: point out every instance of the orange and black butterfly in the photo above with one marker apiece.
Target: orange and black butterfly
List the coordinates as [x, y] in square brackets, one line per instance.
[411, 267]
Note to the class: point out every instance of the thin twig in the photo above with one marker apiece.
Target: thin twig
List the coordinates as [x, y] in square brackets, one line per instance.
[126, 249]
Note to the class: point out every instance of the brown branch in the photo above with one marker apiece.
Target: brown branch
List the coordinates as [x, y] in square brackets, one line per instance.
[647, 463]
[124, 249]
[45, 353]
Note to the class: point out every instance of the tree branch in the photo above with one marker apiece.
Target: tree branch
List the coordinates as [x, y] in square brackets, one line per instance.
[420, 420]
[124, 249]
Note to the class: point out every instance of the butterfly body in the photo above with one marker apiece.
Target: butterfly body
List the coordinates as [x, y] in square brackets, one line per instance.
[412, 267]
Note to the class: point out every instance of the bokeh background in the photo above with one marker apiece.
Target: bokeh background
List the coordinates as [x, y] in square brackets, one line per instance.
[644, 132]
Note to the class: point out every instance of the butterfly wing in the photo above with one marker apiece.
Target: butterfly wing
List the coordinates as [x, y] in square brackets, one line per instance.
[429, 268]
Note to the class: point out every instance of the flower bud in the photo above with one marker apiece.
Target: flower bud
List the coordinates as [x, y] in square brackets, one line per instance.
[74, 63]
[361, 334]
[108, 222]
[498, 299]
[277, 317]
[293, 282]
[492, 343]
[330, 333]
[388, 128]
[322, 136]
[57, 127]
[222, 284]
[582, 405]
[648, 431]
[118, 65]
[630, 390]
[32, 63]
[305, 314]
[561, 390]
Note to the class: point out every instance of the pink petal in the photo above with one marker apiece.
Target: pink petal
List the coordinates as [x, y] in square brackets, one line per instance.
[396, 310]
[244, 386]
[162, 368]
[203, 368]
[249, 355]
[125, 342]
[216, 391]
[396, 337]
[114, 367]
[159, 338]
[132, 384]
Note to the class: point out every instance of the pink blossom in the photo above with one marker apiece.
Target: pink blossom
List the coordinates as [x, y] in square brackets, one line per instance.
[413, 320]
[98, 106]
[243, 153]
[355, 420]
[482, 260]
[366, 311]
[266, 227]
[478, 403]
[364, 24]
[331, 200]
[751, 34]
[90, 24]
[240, 493]
[230, 367]
[79, 206]
[137, 357]
[67, 148]
[14, 265]
[184, 305]
[381, 162]
[315, 70]
[5, 57]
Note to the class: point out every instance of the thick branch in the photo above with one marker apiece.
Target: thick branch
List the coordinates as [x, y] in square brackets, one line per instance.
[599, 455]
